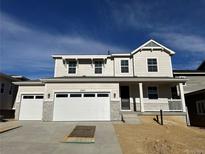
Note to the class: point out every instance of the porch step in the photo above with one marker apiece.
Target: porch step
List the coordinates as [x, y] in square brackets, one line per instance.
[130, 118]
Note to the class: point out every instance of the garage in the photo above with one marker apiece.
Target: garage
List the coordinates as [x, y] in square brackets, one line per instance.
[93, 106]
[31, 107]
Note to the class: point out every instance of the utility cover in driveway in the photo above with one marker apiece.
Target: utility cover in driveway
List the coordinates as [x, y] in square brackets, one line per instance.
[81, 134]
[86, 106]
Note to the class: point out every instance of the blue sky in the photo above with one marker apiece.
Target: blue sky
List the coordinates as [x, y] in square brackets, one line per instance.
[32, 30]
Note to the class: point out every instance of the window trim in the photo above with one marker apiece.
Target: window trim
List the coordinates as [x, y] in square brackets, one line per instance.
[156, 91]
[75, 95]
[57, 95]
[124, 66]
[102, 95]
[89, 94]
[101, 67]
[148, 64]
[72, 67]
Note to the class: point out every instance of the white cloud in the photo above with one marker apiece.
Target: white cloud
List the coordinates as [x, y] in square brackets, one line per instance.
[26, 48]
[183, 42]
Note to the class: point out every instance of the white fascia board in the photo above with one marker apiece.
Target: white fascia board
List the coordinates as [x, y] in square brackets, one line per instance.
[28, 83]
[120, 54]
[171, 52]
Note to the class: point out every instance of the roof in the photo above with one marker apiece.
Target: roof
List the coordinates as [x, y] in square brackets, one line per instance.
[201, 66]
[13, 77]
[152, 44]
[81, 56]
[30, 82]
[196, 92]
[188, 72]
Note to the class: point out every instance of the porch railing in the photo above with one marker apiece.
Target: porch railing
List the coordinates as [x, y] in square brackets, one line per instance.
[175, 104]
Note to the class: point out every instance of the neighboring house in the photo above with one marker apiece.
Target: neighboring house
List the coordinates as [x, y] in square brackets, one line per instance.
[194, 90]
[8, 93]
[100, 87]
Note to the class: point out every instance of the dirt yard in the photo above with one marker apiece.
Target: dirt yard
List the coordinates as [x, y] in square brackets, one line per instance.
[151, 138]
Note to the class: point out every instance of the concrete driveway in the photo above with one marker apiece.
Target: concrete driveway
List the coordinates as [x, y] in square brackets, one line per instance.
[44, 138]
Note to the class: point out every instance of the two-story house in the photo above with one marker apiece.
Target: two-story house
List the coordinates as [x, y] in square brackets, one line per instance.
[100, 87]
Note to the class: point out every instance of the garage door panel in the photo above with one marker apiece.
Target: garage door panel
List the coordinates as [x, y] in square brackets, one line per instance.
[82, 108]
[31, 107]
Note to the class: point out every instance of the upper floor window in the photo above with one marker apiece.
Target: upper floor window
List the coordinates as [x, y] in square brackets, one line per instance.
[72, 67]
[152, 65]
[152, 93]
[124, 66]
[2, 88]
[98, 67]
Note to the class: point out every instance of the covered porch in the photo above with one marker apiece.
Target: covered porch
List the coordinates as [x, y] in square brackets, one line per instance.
[152, 96]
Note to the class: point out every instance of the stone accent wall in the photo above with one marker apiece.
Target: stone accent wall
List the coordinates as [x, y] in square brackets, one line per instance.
[115, 110]
[17, 110]
[155, 106]
[48, 110]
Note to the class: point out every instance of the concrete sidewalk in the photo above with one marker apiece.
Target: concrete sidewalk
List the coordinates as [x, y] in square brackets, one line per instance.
[45, 138]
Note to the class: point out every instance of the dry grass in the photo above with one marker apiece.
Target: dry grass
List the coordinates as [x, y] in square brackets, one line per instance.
[151, 138]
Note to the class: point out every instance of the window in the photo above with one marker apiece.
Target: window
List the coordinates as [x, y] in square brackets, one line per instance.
[61, 95]
[10, 90]
[98, 67]
[39, 97]
[72, 67]
[75, 95]
[102, 95]
[200, 106]
[124, 66]
[152, 65]
[89, 95]
[28, 97]
[152, 93]
[2, 88]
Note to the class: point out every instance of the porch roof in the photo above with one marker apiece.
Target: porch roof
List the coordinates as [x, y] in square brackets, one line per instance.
[113, 79]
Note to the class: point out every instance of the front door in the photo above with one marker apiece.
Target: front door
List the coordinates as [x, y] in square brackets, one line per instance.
[125, 97]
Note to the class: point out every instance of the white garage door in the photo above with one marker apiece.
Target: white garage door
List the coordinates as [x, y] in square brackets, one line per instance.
[31, 107]
[82, 107]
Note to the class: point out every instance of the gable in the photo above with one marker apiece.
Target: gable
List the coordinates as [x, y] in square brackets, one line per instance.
[151, 44]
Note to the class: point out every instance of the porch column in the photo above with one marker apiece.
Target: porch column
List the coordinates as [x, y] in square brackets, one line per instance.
[141, 97]
[181, 89]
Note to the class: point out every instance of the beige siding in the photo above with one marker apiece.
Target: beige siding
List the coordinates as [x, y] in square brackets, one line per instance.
[84, 68]
[51, 88]
[164, 93]
[194, 83]
[60, 68]
[163, 60]
[117, 64]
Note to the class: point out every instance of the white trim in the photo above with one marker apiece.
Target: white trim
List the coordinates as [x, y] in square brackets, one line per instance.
[153, 85]
[181, 89]
[72, 74]
[157, 64]
[171, 52]
[128, 60]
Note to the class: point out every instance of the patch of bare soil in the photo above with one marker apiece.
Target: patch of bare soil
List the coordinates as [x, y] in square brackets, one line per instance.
[174, 137]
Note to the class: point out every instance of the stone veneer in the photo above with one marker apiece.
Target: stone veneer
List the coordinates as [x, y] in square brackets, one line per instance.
[115, 110]
[48, 110]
